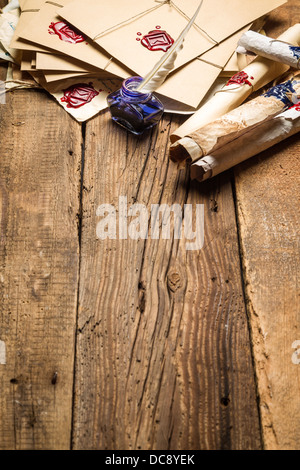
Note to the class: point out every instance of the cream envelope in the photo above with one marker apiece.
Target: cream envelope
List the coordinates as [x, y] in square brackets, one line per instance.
[235, 64]
[237, 61]
[27, 61]
[22, 3]
[29, 8]
[172, 106]
[53, 76]
[232, 66]
[61, 62]
[190, 83]
[41, 30]
[122, 28]
[24, 45]
[222, 18]
[82, 98]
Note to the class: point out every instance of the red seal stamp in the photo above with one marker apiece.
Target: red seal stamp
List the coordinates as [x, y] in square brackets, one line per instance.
[296, 106]
[240, 78]
[66, 33]
[78, 95]
[157, 40]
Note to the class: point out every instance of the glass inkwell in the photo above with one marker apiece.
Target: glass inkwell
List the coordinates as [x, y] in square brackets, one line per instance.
[136, 111]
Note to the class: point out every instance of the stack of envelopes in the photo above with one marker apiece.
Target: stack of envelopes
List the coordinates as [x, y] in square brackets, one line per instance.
[82, 50]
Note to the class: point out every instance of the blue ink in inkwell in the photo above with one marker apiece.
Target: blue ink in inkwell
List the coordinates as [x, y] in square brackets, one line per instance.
[134, 110]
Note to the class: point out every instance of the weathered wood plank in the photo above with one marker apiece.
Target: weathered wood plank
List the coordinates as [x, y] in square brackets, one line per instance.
[40, 162]
[267, 189]
[163, 352]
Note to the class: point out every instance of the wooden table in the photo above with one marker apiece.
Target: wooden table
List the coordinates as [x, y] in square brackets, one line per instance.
[141, 344]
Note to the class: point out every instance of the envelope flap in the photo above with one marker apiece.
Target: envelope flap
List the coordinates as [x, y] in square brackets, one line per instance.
[31, 4]
[121, 31]
[218, 18]
[222, 18]
[98, 17]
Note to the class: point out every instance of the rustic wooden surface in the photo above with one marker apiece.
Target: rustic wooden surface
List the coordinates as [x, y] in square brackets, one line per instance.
[40, 165]
[163, 346]
[124, 344]
[267, 192]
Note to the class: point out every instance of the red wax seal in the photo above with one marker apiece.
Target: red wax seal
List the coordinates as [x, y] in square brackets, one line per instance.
[240, 78]
[157, 40]
[78, 95]
[296, 106]
[65, 32]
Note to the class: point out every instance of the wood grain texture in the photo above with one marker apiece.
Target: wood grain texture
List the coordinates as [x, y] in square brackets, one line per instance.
[163, 354]
[40, 161]
[267, 189]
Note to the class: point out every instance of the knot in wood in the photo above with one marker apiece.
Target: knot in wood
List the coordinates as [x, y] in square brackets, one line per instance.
[174, 281]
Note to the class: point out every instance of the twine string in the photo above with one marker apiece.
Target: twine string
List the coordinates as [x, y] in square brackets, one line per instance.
[139, 15]
[187, 18]
[279, 40]
[55, 4]
[209, 63]
[229, 90]
[108, 63]
[122, 23]
[288, 44]
[36, 10]
[20, 84]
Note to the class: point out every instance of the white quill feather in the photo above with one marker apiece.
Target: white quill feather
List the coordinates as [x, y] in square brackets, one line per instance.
[158, 74]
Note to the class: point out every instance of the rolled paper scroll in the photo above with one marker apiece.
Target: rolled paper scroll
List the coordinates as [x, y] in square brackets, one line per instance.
[256, 75]
[8, 23]
[223, 130]
[256, 140]
[273, 49]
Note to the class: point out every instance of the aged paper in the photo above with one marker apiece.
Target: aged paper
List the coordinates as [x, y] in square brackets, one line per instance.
[117, 26]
